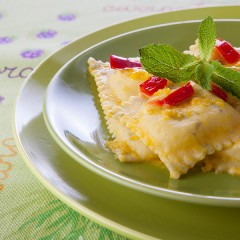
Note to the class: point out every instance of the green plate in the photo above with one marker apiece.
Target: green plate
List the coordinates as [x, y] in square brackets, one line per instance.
[74, 118]
[122, 209]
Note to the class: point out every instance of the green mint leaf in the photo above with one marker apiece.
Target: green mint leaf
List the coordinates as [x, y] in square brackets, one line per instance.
[204, 72]
[207, 38]
[226, 78]
[165, 61]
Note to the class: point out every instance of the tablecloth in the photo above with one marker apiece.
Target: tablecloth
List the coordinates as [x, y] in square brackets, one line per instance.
[29, 32]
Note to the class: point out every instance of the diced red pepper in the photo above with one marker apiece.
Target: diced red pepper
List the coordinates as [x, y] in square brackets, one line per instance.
[176, 97]
[152, 85]
[228, 52]
[121, 62]
[219, 92]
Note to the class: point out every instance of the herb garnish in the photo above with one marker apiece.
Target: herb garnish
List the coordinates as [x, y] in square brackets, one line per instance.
[165, 61]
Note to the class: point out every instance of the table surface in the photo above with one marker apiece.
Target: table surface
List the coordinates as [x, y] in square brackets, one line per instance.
[31, 31]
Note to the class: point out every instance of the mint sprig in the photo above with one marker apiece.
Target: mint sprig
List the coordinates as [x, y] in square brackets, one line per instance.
[165, 61]
[204, 72]
[206, 38]
[227, 78]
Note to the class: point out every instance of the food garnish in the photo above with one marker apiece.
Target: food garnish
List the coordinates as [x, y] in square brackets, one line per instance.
[165, 61]
[176, 97]
[152, 85]
[228, 52]
[218, 92]
[121, 62]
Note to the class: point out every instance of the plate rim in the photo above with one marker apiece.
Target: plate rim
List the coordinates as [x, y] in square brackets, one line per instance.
[27, 160]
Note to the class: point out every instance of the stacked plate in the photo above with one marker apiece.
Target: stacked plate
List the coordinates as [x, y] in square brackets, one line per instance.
[60, 133]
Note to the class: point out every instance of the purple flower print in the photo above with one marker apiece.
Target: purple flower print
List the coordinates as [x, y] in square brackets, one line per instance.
[34, 53]
[47, 34]
[5, 40]
[66, 17]
[1, 98]
[65, 42]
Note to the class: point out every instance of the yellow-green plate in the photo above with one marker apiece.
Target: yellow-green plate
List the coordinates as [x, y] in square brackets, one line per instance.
[75, 120]
[125, 210]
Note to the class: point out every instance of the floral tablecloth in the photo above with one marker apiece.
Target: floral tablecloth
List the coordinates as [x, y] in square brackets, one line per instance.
[29, 32]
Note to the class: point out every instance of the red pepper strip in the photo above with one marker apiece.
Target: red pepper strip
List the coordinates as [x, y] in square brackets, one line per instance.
[120, 62]
[178, 96]
[152, 85]
[229, 53]
[219, 92]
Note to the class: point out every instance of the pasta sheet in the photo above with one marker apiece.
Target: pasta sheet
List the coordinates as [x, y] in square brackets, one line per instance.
[114, 87]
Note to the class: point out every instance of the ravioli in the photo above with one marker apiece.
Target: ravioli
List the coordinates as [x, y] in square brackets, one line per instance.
[224, 161]
[194, 50]
[114, 87]
[203, 129]
[227, 160]
[186, 133]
